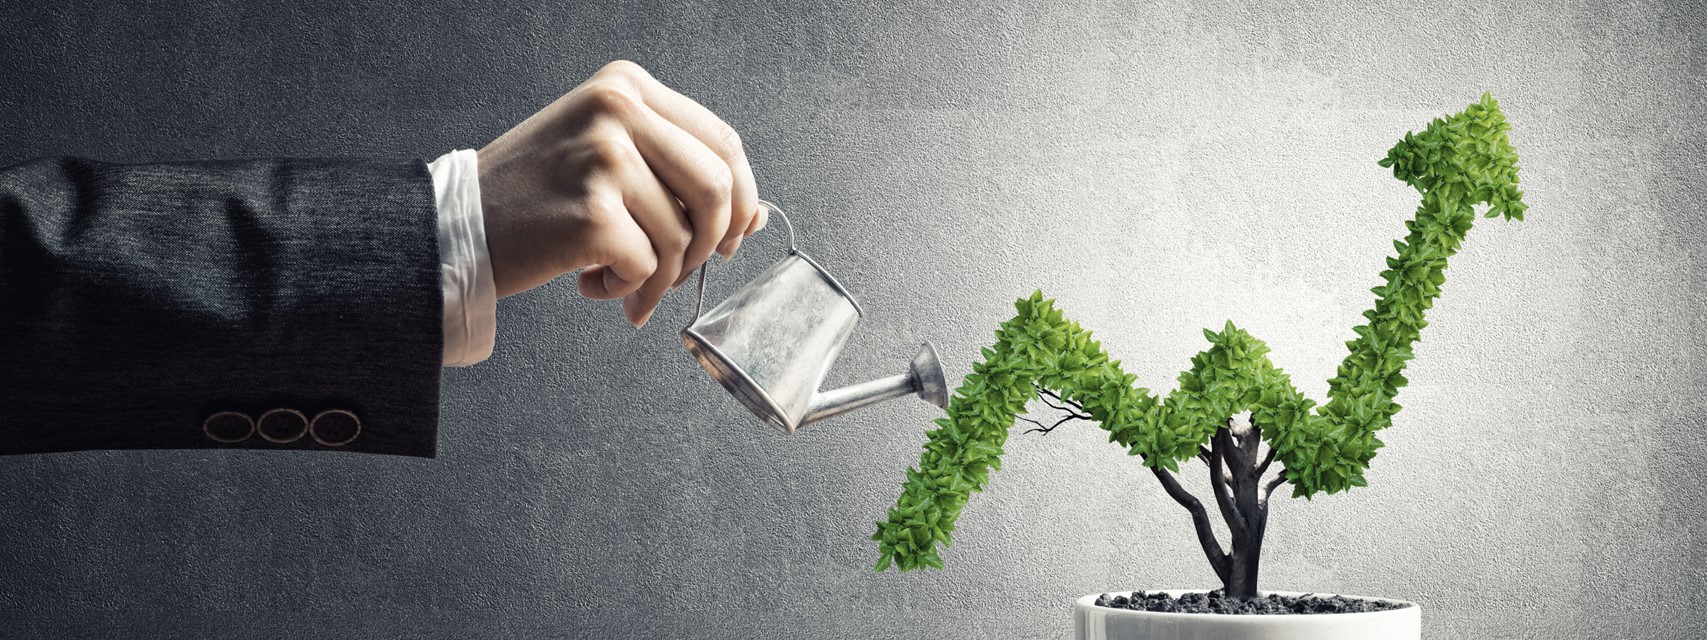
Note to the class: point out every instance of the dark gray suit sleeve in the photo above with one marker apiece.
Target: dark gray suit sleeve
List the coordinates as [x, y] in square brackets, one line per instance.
[269, 304]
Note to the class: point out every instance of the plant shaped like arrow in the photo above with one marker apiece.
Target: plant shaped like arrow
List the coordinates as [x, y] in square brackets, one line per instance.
[1458, 162]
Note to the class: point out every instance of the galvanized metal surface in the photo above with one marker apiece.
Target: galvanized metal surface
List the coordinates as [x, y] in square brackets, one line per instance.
[771, 343]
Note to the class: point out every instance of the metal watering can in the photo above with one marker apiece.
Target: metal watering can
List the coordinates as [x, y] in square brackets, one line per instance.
[771, 342]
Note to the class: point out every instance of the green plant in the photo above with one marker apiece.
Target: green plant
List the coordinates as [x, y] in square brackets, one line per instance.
[1456, 163]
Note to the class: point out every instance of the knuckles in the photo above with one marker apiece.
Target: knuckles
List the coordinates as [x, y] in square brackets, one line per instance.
[605, 212]
[626, 70]
[728, 141]
[606, 150]
[739, 220]
[606, 106]
[674, 243]
[607, 99]
[716, 187]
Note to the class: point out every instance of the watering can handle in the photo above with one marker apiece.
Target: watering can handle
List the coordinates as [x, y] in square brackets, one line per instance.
[768, 206]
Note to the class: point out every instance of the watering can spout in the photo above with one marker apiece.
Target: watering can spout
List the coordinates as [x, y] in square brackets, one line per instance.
[923, 378]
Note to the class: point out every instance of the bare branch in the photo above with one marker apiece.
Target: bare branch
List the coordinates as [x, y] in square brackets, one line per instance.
[1270, 486]
[1045, 430]
[1044, 395]
[1076, 409]
[1263, 468]
[1219, 481]
[1229, 452]
[1263, 506]
[1041, 390]
[1252, 441]
[1199, 521]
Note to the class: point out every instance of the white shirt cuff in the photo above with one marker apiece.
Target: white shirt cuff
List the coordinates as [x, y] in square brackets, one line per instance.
[471, 298]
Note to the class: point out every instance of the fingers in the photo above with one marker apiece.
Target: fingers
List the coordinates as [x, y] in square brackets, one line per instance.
[759, 221]
[625, 259]
[655, 211]
[688, 191]
[712, 132]
[695, 175]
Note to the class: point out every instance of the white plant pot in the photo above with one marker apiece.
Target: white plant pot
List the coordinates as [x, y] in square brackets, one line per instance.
[1102, 623]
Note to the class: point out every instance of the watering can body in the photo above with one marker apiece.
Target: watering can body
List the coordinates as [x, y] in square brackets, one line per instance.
[771, 343]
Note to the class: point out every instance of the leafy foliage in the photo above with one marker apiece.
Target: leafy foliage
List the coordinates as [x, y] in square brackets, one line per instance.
[1456, 163]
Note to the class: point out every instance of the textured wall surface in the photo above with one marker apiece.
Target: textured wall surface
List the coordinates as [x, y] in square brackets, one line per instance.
[1159, 167]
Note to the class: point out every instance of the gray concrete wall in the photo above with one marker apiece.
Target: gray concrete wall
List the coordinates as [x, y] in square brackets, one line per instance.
[1159, 167]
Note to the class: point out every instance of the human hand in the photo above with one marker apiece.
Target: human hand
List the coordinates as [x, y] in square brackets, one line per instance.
[623, 177]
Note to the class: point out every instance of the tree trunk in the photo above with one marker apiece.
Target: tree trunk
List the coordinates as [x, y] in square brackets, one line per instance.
[1242, 578]
[1236, 473]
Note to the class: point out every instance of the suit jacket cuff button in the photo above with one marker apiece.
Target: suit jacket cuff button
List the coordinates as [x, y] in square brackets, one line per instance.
[335, 427]
[228, 427]
[282, 426]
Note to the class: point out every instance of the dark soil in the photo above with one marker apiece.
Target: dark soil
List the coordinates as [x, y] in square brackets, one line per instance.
[1214, 602]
